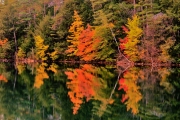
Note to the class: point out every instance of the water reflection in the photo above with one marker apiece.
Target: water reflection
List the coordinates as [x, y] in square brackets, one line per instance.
[88, 92]
[132, 94]
[91, 83]
[144, 90]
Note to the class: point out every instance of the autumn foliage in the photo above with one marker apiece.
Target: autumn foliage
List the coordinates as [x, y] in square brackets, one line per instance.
[132, 94]
[88, 83]
[86, 48]
[80, 85]
[123, 41]
[4, 41]
[129, 43]
[40, 48]
[74, 32]
[40, 76]
[3, 78]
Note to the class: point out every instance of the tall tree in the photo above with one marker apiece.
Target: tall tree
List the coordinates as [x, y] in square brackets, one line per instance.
[9, 25]
[86, 47]
[130, 42]
[158, 33]
[40, 48]
[74, 32]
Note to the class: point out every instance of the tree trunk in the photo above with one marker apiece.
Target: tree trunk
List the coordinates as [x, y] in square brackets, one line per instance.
[15, 40]
[134, 2]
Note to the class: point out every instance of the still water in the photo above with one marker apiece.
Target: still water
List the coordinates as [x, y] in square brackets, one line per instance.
[88, 92]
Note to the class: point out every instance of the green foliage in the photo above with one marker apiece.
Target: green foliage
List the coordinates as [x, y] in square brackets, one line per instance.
[104, 45]
[5, 50]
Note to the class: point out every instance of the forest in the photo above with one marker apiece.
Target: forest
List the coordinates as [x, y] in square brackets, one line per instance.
[145, 31]
[47, 33]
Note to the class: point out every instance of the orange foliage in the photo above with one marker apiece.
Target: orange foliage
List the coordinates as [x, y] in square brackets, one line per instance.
[2, 78]
[80, 85]
[85, 47]
[2, 42]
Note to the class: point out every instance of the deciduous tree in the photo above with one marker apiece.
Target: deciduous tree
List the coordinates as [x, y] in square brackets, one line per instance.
[74, 32]
[80, 85]
[86, 48]
[40, 48]
[130, 44]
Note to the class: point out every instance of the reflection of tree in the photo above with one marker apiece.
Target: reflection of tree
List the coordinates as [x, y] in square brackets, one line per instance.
[44, 101]
[28, 103]
[15, 103]
[40, 75]
[154, 86]
[81, 85]
[20, 68]
[147, 92]
[103, 94]
[4, 73]
[132, 94]
[172, 98]
[89, 82]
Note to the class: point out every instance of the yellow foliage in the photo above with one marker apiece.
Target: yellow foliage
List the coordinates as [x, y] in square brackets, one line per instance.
[133, 34]
[20, 68]
[40, 48]
[40, 76]
[53, 68]
[21, 53]
[164, 73]
[54, 55]
[164, 56]
[75, 30]
[133, 94]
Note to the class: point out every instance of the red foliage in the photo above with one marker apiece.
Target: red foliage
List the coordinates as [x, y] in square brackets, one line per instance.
[122, 43]
[125, 29]
[124, 40]
[123, 86]
[124, 98]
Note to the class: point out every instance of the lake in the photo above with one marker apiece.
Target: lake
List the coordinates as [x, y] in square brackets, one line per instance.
[88, 92]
